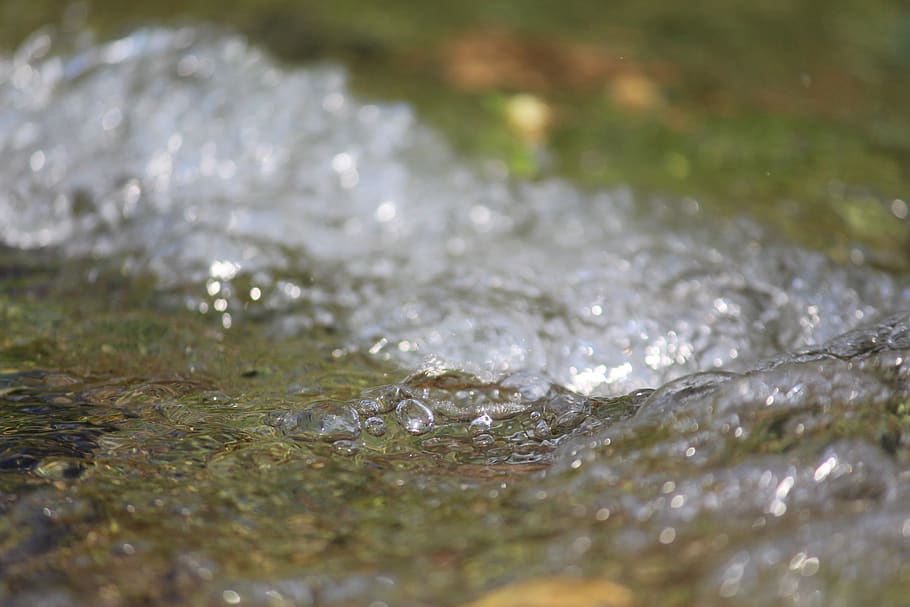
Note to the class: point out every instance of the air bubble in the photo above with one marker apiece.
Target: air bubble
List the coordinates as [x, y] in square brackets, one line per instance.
[566, 411]
[480, 425]
[326, 421]
[484, 441]
[375, 426]
[385, 397]
[414, 416]
[344, 447]
[367, 406]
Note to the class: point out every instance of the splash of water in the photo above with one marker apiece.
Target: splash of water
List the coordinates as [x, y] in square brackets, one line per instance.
[768, 467]
[193, 156]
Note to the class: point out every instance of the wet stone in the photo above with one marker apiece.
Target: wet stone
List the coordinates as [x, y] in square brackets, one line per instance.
[856, 343]
[899, 336]
[854, 471]
[55, 469]
[18, 462]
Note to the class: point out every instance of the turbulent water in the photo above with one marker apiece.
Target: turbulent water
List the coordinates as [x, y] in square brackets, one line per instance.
[769, 466]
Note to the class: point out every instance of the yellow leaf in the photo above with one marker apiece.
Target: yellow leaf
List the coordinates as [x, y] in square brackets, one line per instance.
[558, 592]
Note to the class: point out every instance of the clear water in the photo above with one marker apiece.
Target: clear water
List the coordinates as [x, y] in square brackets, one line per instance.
[530, 323]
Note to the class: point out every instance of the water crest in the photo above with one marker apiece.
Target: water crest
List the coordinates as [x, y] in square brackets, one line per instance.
[257, 190]
[587, 385]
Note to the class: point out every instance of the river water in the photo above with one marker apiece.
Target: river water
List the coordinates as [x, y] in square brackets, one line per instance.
[475, 381]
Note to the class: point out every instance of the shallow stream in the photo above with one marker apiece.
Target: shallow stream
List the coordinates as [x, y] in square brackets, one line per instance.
[270, 344]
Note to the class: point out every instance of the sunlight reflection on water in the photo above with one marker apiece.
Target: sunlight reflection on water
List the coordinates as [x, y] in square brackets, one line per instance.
[769, 465]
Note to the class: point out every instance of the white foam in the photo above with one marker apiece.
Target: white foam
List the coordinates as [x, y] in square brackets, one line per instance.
[188, 153]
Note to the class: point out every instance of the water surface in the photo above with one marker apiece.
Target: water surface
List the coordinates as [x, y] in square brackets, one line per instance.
[345, 365]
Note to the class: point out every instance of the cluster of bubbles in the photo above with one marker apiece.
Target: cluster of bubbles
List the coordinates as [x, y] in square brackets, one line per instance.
[517, 420]
[789, 479]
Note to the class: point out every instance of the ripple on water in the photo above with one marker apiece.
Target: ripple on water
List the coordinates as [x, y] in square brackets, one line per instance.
[796, 468]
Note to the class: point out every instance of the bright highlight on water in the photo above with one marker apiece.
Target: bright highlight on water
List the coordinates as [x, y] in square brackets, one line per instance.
[680, 381]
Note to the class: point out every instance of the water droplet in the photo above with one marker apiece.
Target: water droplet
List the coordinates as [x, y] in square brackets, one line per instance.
[328, 421]
[480, 425]
[566, 411]
[386, 397]
[414, 416]
[375, 426]
[484, 441]
[344, 447]
[367, 406]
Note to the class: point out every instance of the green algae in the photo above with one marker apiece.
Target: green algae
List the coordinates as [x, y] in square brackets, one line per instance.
[150, 452]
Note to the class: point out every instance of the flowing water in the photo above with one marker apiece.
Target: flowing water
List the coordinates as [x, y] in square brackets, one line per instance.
[354, 368]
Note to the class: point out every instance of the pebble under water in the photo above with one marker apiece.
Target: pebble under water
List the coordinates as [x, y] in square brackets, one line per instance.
[581, 389]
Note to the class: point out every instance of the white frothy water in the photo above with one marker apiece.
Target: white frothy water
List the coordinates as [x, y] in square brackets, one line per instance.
[193, 156]
[773, 453]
